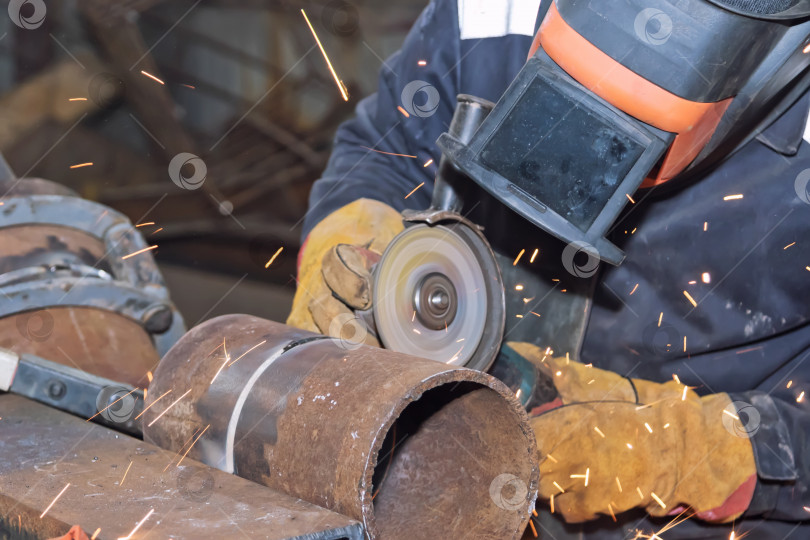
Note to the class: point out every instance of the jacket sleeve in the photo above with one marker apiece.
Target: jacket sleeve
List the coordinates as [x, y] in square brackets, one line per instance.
[779, 436]
[429, 54]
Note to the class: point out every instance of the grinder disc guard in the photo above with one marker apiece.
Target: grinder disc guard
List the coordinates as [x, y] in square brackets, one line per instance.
[438, 294]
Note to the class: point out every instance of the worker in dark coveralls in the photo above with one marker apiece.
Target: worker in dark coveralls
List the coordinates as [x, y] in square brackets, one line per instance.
[706, 321]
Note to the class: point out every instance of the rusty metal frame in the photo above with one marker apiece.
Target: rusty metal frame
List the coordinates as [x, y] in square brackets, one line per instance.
[115, 481]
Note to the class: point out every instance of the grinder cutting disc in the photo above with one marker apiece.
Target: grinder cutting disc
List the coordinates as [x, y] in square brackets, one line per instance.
[438, 294]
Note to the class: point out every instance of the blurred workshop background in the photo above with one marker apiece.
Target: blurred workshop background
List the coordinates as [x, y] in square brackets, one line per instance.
[127, 85]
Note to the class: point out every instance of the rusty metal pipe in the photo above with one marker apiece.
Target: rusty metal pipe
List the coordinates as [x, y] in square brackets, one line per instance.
[408, 446]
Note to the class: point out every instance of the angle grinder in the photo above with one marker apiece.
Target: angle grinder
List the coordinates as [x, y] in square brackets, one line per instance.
[438, 290]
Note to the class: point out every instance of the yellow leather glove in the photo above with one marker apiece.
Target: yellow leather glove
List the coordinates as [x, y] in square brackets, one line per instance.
[334, 272]
[610, 443]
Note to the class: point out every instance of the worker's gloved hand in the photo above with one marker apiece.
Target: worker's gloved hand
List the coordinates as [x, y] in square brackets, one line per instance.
[334, 274]
[609, 444]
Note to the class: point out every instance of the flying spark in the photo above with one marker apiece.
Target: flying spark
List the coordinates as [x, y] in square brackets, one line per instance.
[705, 226]
[78, 99]
[789, 384]
[558, 487]
[227, 359]
[599, 431]
[428, 163]
[95, 534]
[660, 318]
[138, 252]
[388, 153]
[111, 404]
[125, 475]
[169, 407]
[54, 501]
[630, 198]
[192, 444]
[536, 251]
[403, 111]
[79, 165]
[150, 405]
[658, 499]
[634, 289]
[585, 476]
[144, 224]
[619, 484]
[736, 197]
[421, 63]
[247, 351]
[340, 84]
[800, 398]
[152, 77]
[522, 251]
[789, 245]
[414, 190]
[273, 258]
[705, 277]
[138, 526]
[689, 297]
